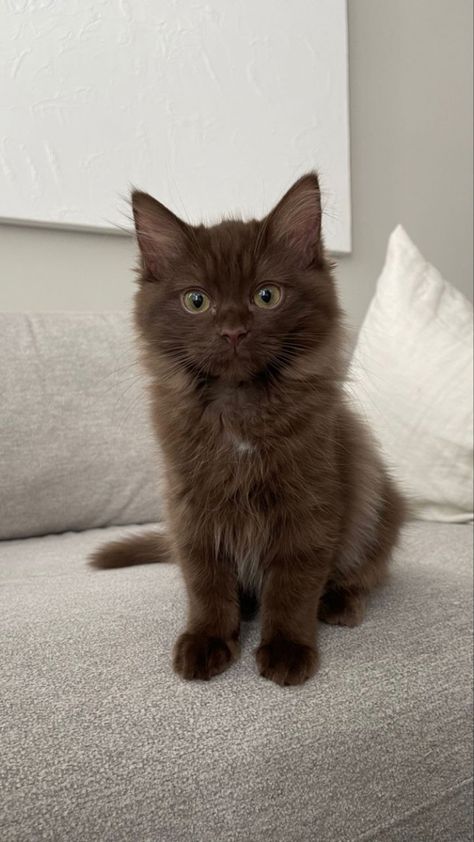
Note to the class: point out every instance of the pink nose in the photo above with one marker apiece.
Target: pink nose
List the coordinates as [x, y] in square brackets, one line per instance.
[233, 335]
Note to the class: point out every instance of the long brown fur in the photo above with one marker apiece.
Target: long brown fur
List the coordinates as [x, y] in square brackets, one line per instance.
[142, 548]
[276, 491]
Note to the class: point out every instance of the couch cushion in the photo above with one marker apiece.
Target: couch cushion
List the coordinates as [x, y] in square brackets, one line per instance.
[76, 448]
[100, 740]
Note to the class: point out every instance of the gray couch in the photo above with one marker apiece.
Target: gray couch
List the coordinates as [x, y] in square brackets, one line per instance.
[101, 741]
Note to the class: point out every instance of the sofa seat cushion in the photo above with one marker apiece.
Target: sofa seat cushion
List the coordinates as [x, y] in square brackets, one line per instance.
[100, 740]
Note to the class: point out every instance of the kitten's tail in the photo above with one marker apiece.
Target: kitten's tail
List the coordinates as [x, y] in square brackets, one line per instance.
[147, 548]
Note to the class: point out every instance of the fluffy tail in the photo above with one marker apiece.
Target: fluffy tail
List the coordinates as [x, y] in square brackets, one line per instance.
[147, 548]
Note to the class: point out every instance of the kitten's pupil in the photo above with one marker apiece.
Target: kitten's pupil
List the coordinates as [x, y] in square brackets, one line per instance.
[266, 295]
[197, 299]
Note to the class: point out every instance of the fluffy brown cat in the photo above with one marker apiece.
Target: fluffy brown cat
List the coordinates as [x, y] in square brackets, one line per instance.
[275, 490]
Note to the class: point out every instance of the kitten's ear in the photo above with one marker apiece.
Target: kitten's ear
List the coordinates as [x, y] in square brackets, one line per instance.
[296, 221]
[161, 235]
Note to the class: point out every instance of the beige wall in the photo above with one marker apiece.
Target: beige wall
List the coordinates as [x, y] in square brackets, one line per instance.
[411, 149]
[411, 137]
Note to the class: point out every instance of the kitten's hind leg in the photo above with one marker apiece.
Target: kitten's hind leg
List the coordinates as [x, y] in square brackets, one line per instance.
[340, 606]
[358, 572]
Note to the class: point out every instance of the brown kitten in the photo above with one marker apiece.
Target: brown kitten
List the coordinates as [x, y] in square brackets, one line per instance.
[275, 489]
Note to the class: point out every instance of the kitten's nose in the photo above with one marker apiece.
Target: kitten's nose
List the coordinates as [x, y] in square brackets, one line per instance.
[233, 335]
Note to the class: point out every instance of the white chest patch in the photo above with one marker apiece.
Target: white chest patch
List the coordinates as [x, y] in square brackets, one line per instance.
[241, 446]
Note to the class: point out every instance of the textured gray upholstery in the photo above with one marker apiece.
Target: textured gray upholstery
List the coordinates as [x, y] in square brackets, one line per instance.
[101, 741]
[76, 447]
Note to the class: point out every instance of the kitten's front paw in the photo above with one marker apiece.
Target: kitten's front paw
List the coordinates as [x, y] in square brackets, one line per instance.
[202, 657]
[285, 662]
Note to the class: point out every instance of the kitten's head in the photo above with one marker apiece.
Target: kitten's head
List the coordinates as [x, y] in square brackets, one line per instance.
[237, 300]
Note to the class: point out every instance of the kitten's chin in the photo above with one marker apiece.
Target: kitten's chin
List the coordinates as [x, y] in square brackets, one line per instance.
[234, 374]
[240, 375]
[236, 369]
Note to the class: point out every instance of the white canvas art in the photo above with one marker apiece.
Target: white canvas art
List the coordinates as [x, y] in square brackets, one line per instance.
[213, 106]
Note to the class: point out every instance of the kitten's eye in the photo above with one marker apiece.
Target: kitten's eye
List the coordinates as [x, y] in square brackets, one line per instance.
[267, 296]
[196, 301]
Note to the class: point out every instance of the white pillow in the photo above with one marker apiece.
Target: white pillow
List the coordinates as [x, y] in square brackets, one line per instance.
[412, 376]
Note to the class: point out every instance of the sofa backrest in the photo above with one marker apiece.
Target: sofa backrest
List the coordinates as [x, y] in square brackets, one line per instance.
[76, 444]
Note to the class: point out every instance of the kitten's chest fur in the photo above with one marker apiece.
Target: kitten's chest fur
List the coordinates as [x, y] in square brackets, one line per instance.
[231, 481]
[241, 446]
[242, 461]
[241, 532]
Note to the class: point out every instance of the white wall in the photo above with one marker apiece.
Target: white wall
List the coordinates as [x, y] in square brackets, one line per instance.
[411, 144]
[186, 99]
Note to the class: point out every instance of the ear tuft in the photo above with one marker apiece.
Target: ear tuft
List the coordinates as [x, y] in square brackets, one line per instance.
[296, 221]
[161, 235]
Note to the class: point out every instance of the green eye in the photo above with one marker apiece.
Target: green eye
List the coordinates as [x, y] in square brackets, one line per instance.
[196, 301]
[267, 296]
